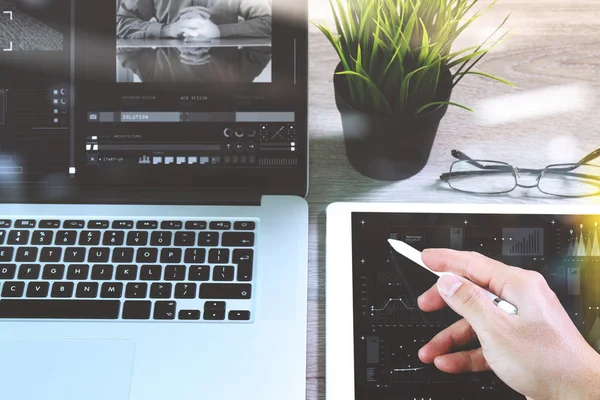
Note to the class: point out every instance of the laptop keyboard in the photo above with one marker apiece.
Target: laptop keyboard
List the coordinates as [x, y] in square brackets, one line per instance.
[146, 270]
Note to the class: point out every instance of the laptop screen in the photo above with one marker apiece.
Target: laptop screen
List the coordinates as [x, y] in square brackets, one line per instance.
[152, 94]
[389, 327]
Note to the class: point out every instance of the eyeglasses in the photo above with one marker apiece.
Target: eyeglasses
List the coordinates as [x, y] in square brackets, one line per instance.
[580, 179]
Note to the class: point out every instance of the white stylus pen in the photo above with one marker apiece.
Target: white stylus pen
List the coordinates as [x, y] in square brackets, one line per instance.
[415, 256]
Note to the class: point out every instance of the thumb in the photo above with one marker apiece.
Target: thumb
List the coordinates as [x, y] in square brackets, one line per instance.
[466, 299]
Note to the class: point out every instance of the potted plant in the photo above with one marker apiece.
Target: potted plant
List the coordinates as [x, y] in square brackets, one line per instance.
[395, 77]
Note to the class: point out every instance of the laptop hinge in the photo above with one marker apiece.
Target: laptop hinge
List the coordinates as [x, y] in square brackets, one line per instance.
[142, 196]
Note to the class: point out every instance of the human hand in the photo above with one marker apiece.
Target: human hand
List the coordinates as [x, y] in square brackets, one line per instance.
[206, 29]
[182, 27]
[538, 352]
[194, 55]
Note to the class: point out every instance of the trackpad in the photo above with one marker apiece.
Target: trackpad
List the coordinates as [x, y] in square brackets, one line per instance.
[66, 369]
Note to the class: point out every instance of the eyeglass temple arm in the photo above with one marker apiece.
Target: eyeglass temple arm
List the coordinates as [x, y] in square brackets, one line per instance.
[592, 156]
[459, 155]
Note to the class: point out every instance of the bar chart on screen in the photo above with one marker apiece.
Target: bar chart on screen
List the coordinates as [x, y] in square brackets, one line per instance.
[523, 242]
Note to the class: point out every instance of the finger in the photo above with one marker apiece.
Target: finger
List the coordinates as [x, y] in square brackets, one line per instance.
[468, 300]
[455, 337]
[481, 270]
[431, 300]
[463, 361]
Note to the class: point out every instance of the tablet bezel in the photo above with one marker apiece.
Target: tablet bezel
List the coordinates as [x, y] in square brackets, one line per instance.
[339, 323]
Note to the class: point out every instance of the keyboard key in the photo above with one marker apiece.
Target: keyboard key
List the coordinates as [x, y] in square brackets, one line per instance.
[102, 272]
[244, 226]
[150, 272]
[25, 223]
[225, 291]
[49, 223]
[6, 253]
[239, 315]
[136, 309]
[53, 272]
[65, 238]
[170, 256]
[62, 289]
[214, 305]
[50, 254]
[220, 225]
[111, 290]
[113, 238]
[223, 273]
[218, 256]
[5, 223]
[87, 290]
[13, 289]
[195, 225]
[208, 239]
[122, 225]
[126, 273]
[185, 291]
[160, 238]
[98, 254]
[137, 238]
[78, 272]
[37, 289]
[26, 254]
[60, 309]
[164, 310]
[189, 314]
[199, 273]
[195, 256]
[238, 239]
[42, 238]
[122, 255]
[29, 271]
[7, 271]
[185, 239]
[136, 290]
[146, 225]
[244, 259]
[74, 224]
[146, 255]
[18, 237]
[161, 290]
[214, 315]
[214, 310]
[98, 225]
[171, 225]
[74, 254]
[2, 237]
[175, 273]
[89, 238]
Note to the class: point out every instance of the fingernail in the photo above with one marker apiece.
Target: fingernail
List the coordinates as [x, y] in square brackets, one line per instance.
[448, 285]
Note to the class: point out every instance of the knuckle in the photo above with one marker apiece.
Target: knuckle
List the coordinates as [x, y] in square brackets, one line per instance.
[470, 297]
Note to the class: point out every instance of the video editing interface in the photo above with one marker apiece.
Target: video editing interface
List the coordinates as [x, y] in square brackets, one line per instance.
[389, 328]
[118, 89]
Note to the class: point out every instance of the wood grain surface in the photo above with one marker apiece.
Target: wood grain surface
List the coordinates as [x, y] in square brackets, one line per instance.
[555, 47]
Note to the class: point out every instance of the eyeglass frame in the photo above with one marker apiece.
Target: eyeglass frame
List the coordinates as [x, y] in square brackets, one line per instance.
[462, 157]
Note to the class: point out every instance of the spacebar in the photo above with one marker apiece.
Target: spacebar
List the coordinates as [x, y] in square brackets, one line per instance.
[67, 309]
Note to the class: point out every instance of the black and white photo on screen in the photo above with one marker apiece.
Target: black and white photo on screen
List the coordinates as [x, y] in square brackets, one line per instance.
[194, 41]
[33, 25]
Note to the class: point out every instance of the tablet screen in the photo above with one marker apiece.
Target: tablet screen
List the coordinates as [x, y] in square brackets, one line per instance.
[389, 328]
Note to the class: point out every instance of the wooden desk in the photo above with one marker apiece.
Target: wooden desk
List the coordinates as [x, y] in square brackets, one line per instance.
[555, 42]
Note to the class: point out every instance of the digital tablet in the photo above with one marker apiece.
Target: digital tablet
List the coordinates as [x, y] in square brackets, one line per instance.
[374, 327]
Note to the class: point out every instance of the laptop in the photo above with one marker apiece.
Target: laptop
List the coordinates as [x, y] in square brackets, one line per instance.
[153, 231]
[374, 326]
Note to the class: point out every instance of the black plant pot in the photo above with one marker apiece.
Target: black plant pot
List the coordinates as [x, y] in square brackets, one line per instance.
[388, 149]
